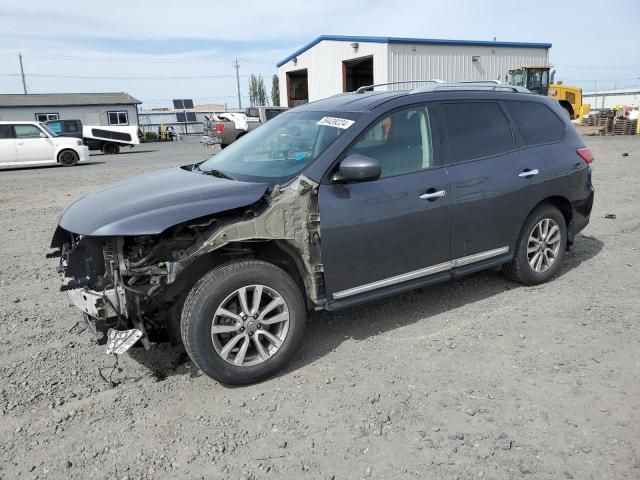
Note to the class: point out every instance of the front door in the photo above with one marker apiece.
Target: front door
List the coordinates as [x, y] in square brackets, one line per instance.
[384, 232]
[30, 146]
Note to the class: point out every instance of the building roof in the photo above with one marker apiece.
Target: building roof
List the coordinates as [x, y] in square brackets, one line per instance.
[66, 99]
[415, 41]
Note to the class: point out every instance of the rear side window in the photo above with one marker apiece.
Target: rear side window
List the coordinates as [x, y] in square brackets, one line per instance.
[537, 123]
[476, 130]
[97, 132]
[6, 131]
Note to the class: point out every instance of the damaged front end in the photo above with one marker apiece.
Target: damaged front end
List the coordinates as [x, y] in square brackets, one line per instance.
[132, 287]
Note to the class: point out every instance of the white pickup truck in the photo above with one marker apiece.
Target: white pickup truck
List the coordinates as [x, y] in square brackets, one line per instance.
[225, 128]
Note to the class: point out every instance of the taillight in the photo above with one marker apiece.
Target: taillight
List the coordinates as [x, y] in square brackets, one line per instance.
[586, 155]
[219, 127]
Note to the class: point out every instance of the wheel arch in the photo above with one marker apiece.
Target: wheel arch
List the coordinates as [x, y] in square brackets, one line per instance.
[564, 205]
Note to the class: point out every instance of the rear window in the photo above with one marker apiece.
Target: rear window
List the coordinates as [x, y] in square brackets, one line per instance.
[476, 130]
[537, 123]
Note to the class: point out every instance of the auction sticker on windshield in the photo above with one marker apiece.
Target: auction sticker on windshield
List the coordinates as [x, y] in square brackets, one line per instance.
[343, 123]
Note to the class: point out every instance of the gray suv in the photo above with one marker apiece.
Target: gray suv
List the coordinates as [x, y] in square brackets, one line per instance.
[331, 204]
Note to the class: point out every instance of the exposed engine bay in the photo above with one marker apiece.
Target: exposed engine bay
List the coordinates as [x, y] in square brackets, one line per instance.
[140, 282]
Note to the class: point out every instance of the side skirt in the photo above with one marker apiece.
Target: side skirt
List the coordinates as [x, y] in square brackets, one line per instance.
[458, 269]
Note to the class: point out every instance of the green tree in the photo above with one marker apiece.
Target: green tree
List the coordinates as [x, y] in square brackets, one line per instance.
[257, 91]
[275, 91]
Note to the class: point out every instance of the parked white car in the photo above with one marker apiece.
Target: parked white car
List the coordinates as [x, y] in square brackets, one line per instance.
[32, 143]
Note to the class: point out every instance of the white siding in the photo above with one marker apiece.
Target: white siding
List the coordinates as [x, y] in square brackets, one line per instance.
[454, 63]
[90, 114]
[324, 67]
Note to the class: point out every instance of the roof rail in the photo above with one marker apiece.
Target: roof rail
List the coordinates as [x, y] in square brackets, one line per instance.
[366, 88]
[472, 85]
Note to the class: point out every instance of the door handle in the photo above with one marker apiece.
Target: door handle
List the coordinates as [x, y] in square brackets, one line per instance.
[529, 173]
[433, 195]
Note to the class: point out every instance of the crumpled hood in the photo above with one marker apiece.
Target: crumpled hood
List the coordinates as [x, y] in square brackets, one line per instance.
[151, 203]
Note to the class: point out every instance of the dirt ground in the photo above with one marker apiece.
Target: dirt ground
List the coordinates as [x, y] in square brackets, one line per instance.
[479, 378]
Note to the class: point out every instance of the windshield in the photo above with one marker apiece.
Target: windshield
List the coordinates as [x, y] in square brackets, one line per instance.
[282, 147]
[48, 130]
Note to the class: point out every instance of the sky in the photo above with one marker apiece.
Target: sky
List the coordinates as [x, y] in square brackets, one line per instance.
[161, 50]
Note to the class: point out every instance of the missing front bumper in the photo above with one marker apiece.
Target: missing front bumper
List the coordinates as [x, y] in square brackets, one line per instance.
[100, 305]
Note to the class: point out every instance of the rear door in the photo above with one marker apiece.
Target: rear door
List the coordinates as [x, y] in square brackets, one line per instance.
[7, 144]
[395, 229]
[495, 184]
[30, 146]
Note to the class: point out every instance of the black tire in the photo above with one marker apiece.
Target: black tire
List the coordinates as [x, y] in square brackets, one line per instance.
[110, 148]
[68, 158]
[210, 293]
[519, 270]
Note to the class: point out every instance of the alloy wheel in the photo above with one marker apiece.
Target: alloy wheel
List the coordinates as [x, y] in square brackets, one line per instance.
[250, 325]
[543, 245]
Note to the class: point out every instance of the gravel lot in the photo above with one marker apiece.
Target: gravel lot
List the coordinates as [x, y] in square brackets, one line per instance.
[479, 378]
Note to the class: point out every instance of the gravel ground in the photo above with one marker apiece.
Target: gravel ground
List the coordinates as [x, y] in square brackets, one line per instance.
[478, 378]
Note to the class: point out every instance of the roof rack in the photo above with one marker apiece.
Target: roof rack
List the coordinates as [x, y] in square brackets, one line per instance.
[437, 84]
[366, 88]
[495, 85]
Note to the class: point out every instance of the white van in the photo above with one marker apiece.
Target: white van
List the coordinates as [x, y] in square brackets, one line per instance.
[32, 143]
[110, 139]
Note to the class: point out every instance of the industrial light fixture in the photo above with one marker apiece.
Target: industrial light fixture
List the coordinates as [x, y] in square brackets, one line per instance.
[295, 60]
[475, 58]
[355, 46]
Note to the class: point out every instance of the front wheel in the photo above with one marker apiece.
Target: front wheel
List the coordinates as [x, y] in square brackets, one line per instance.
[68, 158]
[243, 321]
[540, 248]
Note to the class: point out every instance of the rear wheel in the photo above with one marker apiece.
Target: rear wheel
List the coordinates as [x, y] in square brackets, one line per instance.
[243, 321]
[68, 158]
[110, 148]
[540, 248]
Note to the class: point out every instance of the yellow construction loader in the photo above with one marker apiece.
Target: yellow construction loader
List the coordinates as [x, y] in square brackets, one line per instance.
[539, 80]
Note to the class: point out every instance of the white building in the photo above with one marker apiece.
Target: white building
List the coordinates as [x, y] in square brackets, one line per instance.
[333, 64]
[629, 97]
[92, 108]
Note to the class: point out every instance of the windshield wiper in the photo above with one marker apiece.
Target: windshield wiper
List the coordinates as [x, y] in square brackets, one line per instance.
[213, 172]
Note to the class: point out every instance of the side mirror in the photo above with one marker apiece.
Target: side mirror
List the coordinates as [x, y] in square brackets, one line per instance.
[358, 168]
[43, 135]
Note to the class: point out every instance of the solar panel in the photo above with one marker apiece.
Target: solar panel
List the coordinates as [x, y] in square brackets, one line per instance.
[181, 117]
[188, 103]
[191, 116]
[178, 104]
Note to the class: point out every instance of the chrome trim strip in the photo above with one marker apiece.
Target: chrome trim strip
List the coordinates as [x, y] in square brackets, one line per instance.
[476, 257]
[423, 272]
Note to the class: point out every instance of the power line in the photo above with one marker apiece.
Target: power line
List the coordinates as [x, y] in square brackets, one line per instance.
[91, 77]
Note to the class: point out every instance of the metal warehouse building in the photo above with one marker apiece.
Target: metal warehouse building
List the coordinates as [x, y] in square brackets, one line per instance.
[92, 108]
[333, 64]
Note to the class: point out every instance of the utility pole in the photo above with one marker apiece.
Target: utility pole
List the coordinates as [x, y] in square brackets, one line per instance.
[238, 82]
[24, 83]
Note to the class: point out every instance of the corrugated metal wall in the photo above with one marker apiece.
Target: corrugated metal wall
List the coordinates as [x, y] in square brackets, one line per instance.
[324, 67]
[456, 63]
